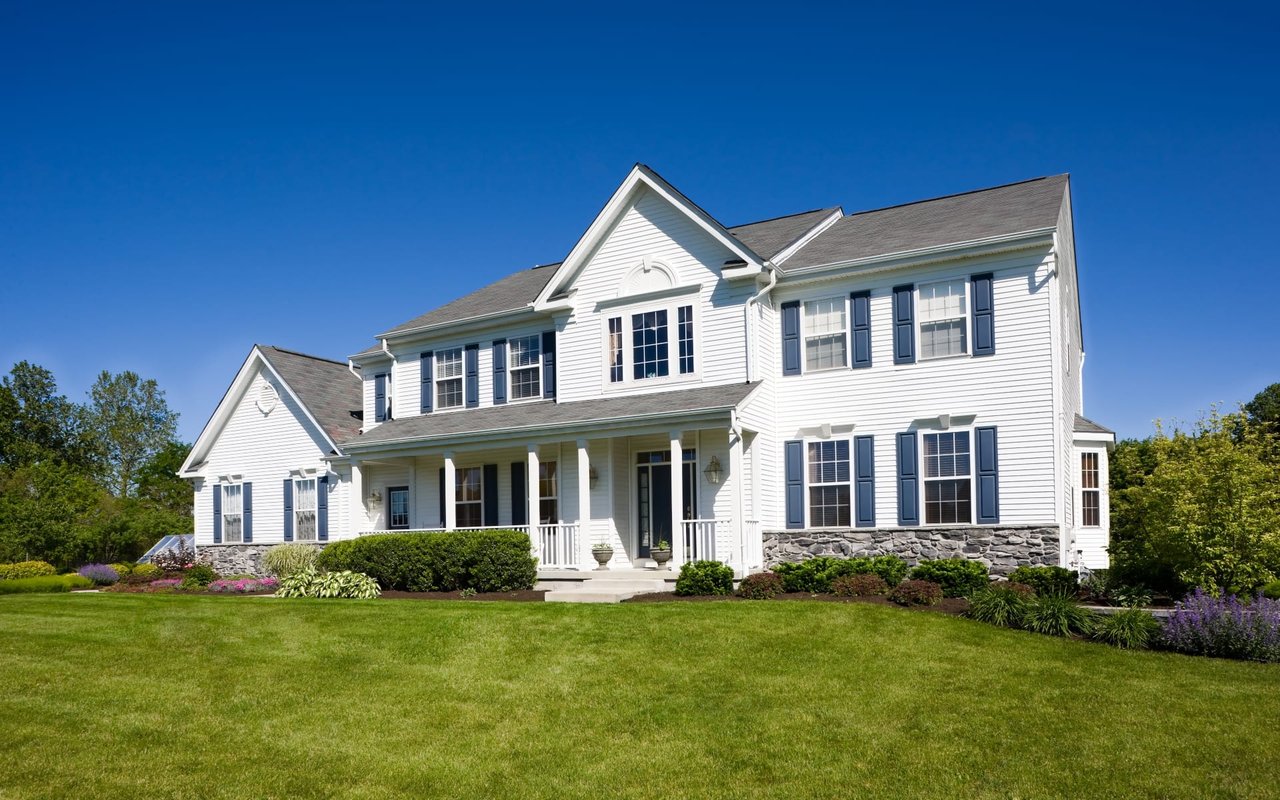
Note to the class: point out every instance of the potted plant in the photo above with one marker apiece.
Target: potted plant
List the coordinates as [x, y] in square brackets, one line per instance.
[661, 553]
[602, 552]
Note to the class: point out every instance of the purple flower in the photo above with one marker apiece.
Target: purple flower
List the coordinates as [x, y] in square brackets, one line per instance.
[1226, 627]
[166, 583]
[100, 574]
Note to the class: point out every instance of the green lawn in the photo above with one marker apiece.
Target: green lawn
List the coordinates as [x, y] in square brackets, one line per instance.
[170, 696]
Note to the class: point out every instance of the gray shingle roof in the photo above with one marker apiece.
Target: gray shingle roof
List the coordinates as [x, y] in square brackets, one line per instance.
[1089, 426]
[515, 417]
[511, 293]
[327, 388]
[771, 236]
[1013, 208]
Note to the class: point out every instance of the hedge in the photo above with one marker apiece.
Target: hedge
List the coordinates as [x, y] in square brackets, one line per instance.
[45, 584]
[486, 561]
[26, 569]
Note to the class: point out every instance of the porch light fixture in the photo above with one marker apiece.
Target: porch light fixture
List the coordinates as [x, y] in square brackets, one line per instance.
[375, 499]
[713, 471]
[593, 477]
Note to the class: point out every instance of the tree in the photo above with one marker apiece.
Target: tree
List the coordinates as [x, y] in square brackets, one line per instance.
[37, 423]
[1264, 408]
[132, 423]
[159, 484]
[47, 510]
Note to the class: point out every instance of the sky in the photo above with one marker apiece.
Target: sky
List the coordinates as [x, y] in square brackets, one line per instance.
[181, 180]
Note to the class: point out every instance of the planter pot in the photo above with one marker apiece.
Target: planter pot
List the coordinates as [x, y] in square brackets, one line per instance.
[660, 556]
[602, 557]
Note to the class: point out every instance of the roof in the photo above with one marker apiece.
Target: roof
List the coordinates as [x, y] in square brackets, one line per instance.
[327, 388]
[771, 236]
[512, 293]
[1089, 426]
[1012, 208]
[514, 417]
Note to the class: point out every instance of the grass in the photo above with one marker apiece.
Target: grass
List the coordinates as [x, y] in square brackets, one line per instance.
[204, 697]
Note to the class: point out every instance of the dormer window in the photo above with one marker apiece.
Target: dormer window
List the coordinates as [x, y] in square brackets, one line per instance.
[661, 345]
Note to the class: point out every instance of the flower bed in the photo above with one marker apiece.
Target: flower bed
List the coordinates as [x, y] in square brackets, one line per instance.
[243, 586]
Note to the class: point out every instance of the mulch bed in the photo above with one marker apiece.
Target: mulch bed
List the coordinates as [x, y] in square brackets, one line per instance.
[523, 596]
[954, 606]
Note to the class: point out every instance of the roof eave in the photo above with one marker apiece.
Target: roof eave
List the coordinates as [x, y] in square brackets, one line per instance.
[1009, 241]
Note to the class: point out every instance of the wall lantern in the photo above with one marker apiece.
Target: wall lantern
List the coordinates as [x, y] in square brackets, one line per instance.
[713, 471]
[375, 499]
[593, 477]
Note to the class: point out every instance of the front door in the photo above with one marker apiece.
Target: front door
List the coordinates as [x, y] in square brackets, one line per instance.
[653, 496]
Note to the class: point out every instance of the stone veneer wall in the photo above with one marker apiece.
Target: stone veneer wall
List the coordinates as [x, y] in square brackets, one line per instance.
[237, 559]
[1001, 548]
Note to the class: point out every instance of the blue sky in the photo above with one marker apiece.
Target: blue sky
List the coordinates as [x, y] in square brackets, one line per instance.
[181, 180]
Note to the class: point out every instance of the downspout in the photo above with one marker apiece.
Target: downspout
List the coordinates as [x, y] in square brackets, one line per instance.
[748, 329]
[351, 367]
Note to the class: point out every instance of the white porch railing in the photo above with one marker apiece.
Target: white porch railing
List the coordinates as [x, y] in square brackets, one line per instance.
[700, 538]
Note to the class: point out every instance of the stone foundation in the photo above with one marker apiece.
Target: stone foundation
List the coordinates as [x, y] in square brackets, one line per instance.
[1001, 548]
[237, 559]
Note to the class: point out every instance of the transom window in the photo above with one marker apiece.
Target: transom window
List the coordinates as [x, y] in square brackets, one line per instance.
[649, 344]
[948, 482]
[944, 319]
[304, 509]
[232, 513]
[615, 349]
[398, 508]
[526, 367]
[449, 378]
[470, 497]
[829, 495]
[548, 493]
[1090, 493]
[825, 339]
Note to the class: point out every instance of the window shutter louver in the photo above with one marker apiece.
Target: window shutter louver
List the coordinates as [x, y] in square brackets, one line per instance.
[908, 479]
[860, 311]
[426, 366]
[988, 476]
[380, 398]
[489, 510]
[471, 365]
[519, 494]
[288, 509]
[442, 498]
[791, 338]
[794, 467]
[246, 493]
[322, 508]
[983, 305]
[499, 371]
[549, 364]
[865, 476]
[904, 324]
[217, 513]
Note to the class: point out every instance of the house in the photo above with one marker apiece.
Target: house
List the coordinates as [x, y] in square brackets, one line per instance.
[902, 380]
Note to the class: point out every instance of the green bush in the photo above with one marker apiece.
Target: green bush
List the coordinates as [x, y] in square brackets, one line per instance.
[1130, 628]
[958, 577]
[487, 561]
[760, 586]
[1047, 580]
[344, 585]
[1058, 615]
[45, 584]
[1003, 604]
[122, 569]
[148, 571]
[1272, 590]
[285, 559]
[198, 577]
[705, 578]
[816, 575]
[891, 569]
[916, 593]
[866, 585]
[26, 569]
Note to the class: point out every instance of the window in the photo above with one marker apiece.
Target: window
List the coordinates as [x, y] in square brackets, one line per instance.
[944, 321]
[825, 339]
[615, 349]
[304, 510]
[232, 513]
[526, 367]
[398, 508]
[649, 344]
[829, 505]
[1090, 493]
[548, 493]
[449, 378]
[470, 498]
[947, 482]
[684, 319]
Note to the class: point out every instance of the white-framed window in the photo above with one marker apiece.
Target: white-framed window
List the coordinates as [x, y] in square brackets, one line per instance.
[398, 508]
[615, 350]
[525, 366]
[943, 309]
[449, 378]
[830, 496]
[548, 493]
[469, 497]
[826, 336]
[651, 345]
[948, 478]
[684, 335]
[304, 509]
[1090, 491]
[232, 513]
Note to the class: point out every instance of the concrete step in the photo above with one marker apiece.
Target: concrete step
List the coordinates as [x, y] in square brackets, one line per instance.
[606, 591]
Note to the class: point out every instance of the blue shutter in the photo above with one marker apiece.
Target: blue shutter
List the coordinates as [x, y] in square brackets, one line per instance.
[442, 500]
[247, 495]
[988, 476]
[860, 310]
[549, 364]
[864, 456]
[983, 304]
[489, 508]
[288, 509]
[322, 508]
[519, 494]
[791, 338]
[499, 371]
[471, 365]
[217, 513]
[904, 324]
[380, 397]
[794, 463]
[908, 479]
[426, 366]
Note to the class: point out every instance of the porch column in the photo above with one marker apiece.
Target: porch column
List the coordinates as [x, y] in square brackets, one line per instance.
[742, 554]
[583, 550]
[359, 517]
[533, 503]
[450, 492]
[677, 500]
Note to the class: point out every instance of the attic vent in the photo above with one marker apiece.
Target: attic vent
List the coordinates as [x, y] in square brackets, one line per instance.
[734, 263]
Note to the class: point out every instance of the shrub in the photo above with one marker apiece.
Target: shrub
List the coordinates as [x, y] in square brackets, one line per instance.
[760, 586]
[165, 583]
[150, 571]
[199, 576]
[343, 584]
[1225, 627]
[285, 559]
[705, 578]
[1057, 615]
[1004, 604]
[891, 569]
[26, 569]
[100, 574]
[866, 585]
[1130, 628]
[1272, 590]
[1047, 580]
[248, 585]
[487, 561]
[816, 575]
[122, 569]
[958, 577]
[176, 558]
[917, 593]
[44, 584]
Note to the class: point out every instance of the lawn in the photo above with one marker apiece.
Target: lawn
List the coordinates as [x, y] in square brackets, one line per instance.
[204, 697]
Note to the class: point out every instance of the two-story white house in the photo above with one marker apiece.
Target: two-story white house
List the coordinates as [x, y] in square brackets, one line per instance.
[902, 380]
